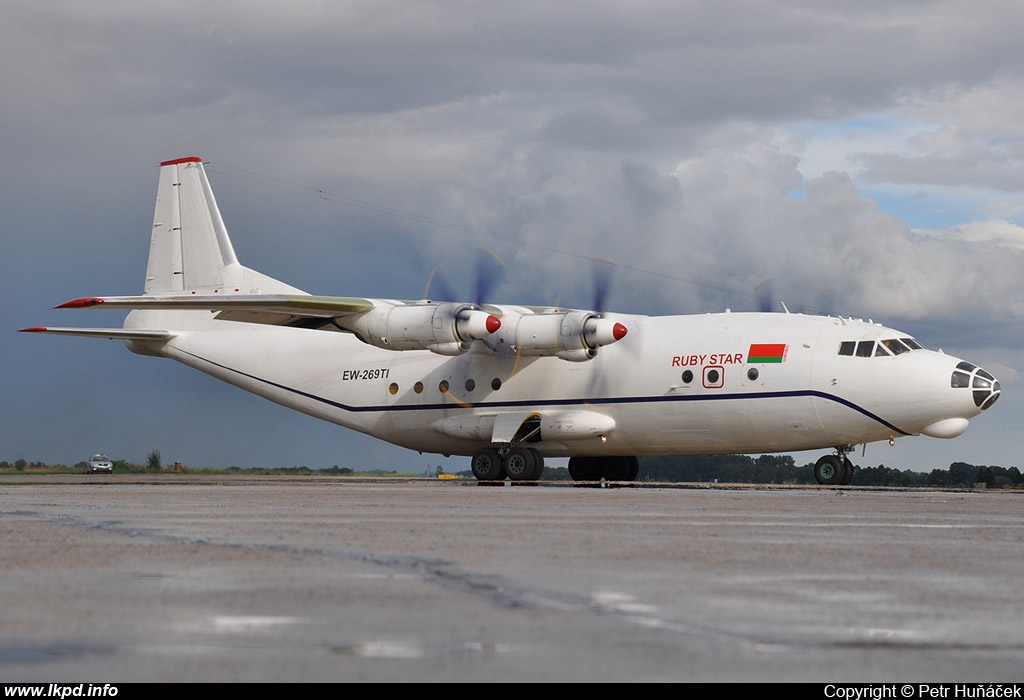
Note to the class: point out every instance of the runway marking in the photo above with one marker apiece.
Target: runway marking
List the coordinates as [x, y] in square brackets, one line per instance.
[392, 649]
[247, 623]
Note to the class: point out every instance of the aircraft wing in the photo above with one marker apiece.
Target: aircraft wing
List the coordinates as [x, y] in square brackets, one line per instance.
[302, 311]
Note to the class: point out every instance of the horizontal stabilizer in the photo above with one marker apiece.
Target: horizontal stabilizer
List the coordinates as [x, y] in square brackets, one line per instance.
[272, 309]
[109, 333]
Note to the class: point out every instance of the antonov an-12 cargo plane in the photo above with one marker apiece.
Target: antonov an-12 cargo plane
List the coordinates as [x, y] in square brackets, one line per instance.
[511, 385]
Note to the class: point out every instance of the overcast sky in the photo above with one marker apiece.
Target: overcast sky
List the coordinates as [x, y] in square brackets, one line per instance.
[861, 158]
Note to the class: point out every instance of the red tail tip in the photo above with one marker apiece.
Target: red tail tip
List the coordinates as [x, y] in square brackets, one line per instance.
[179, 161]
[33, 329]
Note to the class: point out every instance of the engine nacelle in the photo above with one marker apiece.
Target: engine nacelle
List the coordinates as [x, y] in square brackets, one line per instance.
[446, 328]
[569, 335]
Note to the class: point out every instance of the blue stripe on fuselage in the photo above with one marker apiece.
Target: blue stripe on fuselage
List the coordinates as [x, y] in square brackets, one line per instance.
[558, 402]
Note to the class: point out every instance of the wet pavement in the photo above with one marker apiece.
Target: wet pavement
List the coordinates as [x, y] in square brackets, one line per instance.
[179, 578]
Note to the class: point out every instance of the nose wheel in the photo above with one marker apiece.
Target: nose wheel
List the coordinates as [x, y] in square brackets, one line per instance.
[834, 470]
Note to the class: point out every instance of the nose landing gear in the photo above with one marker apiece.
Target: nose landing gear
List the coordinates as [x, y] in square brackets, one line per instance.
[835, 470]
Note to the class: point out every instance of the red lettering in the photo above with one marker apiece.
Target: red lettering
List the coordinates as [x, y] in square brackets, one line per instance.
[735, 358]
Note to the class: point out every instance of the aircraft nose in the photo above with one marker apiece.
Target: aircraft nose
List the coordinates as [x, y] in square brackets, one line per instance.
[985, 389]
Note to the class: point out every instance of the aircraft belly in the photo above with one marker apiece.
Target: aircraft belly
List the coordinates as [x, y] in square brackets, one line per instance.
[748, 424]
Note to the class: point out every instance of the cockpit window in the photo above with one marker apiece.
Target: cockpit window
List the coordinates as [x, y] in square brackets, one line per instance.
[865, 348]
[896, 347]
[883, 348]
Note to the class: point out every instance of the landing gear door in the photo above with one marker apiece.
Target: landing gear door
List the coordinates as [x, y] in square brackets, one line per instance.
[506, 425]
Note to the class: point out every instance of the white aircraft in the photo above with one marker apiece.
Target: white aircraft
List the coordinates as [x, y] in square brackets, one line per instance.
[511, 385]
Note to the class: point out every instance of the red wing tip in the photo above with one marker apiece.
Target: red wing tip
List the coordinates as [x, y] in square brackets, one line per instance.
[493, 324]
[618, 331]
[81, 303]
[33, 329]
[178, 161]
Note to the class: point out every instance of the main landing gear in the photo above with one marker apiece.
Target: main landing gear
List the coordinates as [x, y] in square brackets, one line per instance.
[515, 463]
[835, 470]
[519, 463]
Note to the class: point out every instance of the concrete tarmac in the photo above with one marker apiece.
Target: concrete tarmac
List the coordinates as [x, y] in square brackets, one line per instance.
[172, 578]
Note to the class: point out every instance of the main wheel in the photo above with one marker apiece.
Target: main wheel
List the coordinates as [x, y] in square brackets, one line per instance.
[538, 464]
[486, 465]
[634, 468]
[829, 470]
[617, 468]
[584, 469]
[519, 464]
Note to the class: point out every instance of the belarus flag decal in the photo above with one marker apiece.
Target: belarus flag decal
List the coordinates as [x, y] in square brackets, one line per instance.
[764, 353]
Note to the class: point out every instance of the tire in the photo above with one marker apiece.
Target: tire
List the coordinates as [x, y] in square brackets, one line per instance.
[829, 470]
[634, 468]
[538, 464]
[584, 469]
[519, 464]
[616, 468]
[487, 466]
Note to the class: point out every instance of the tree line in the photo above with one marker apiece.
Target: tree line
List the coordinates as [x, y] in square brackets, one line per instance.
[782, 469]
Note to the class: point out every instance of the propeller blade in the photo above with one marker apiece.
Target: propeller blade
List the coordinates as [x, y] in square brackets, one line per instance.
[764, 293]
[442, 291]
[602, 270]
[826, 301]
[489, 270]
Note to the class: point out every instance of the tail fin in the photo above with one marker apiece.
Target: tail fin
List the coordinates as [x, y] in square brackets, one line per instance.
[190, 247]
[190, 250]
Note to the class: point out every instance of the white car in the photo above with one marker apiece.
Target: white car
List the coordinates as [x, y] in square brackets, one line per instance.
[99, 463]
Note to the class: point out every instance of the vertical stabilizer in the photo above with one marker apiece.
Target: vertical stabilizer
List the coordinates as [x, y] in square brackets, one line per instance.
[190, 248]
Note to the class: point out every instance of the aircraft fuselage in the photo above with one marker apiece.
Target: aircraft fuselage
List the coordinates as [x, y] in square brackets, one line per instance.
[703, 384]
